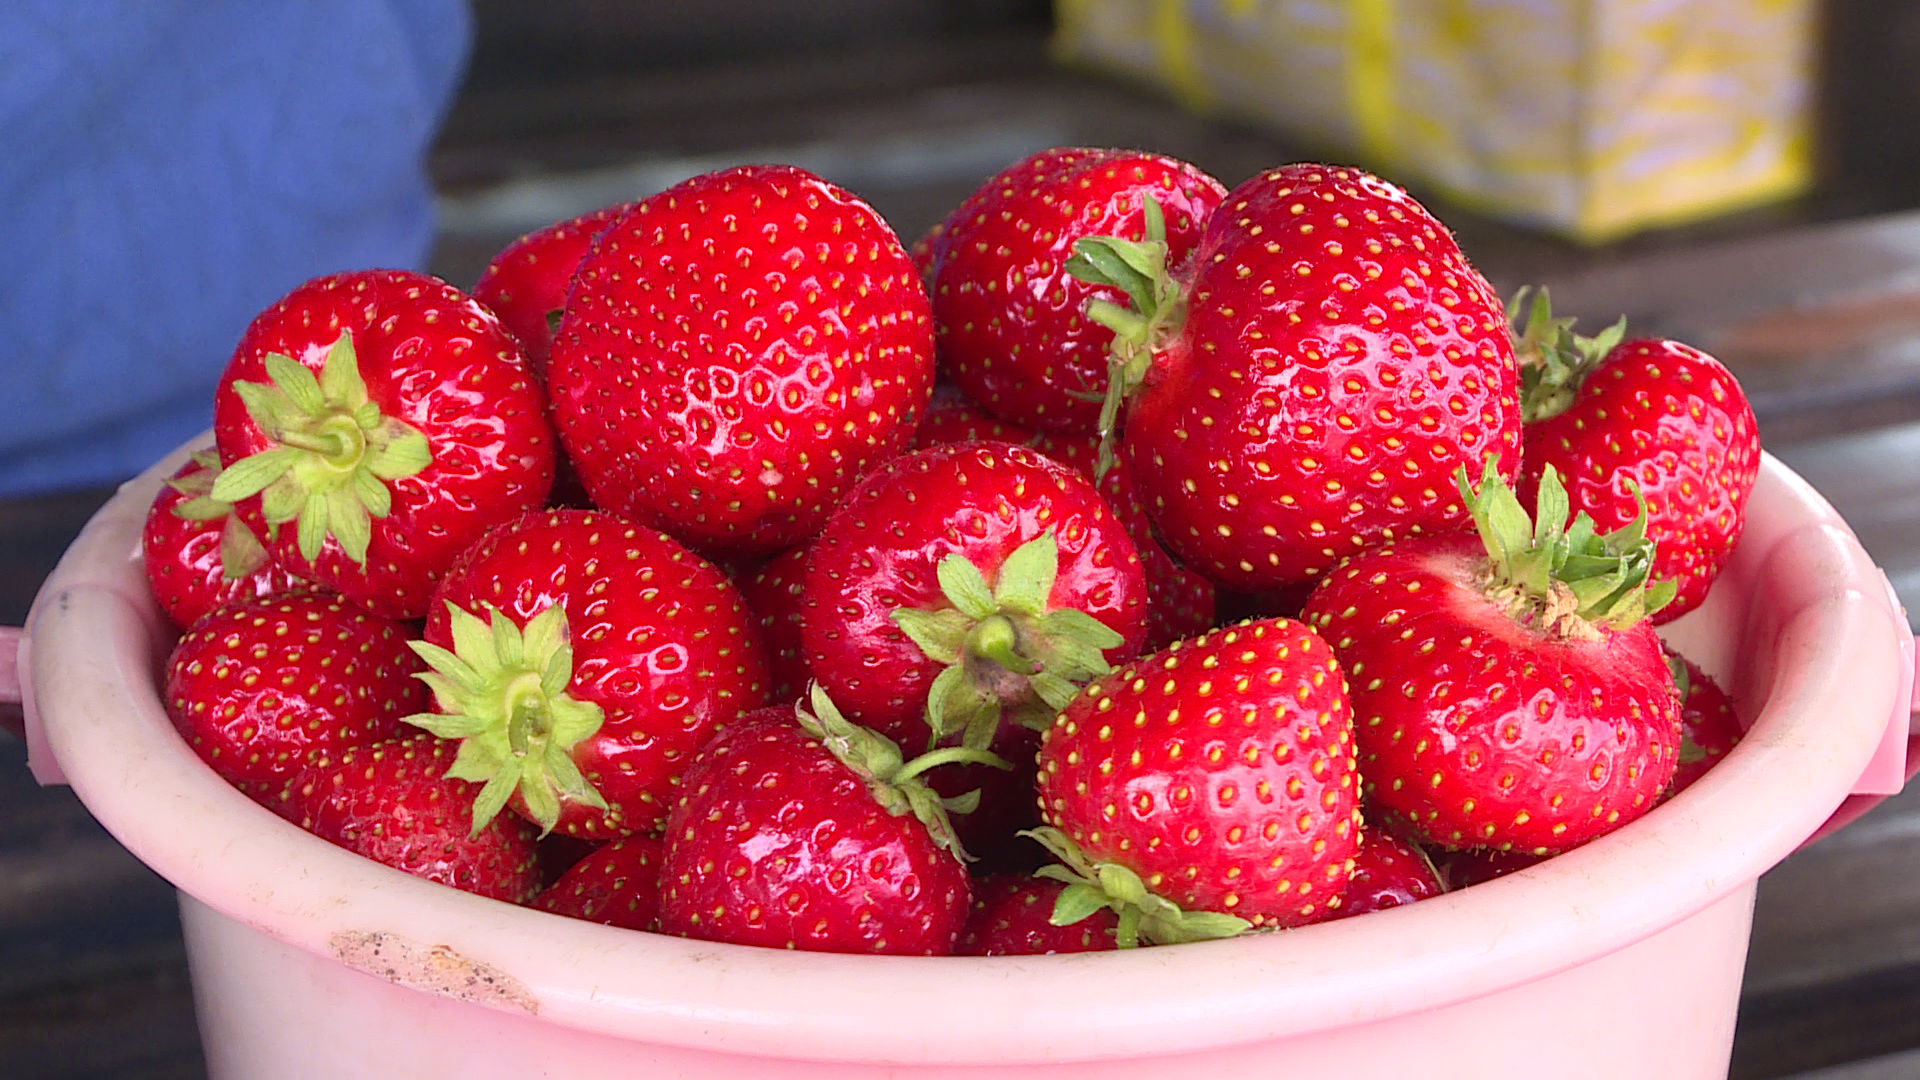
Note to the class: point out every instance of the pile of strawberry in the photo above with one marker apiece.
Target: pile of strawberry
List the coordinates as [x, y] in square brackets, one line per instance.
[1131, 562]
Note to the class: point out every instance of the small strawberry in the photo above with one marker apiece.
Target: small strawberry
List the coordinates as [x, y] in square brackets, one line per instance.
[1206, 788]
[1387, 872]
[737, 351]
[394, 803]
[1472, 866]
[264, 686]
[954, 417]
[796, 829]
[617, 884]
[1709, 727]
[526, 283]
[775, 592]
[1509, 689]
[1308, 386]
[198, 555]
[1013, 916]
[1011, 323]
[391, 420]
[581, 660]
[1647, 419]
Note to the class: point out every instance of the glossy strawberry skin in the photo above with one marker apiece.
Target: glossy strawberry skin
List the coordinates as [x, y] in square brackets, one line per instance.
[182, 557]
[1709, 723]
[1011, 323]
[263, 687]
[1477, 731]
[881, 550]
[526, 283]
[1012, 916]
[775, 592]
[1672, 420]
[1221, 770]
[775, 843]
[430, 356]
[393, 803]
[662, 642]
[617, 884]
[1387, 873]
[1340, 360]
[737, 351]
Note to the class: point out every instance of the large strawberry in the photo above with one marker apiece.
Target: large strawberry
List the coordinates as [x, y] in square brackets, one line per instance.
[737, 351]
[1642, 419]
[582, 659]
[1206, 788]
[373, 424]
[1509, 690]
[197, 554]
[1310, 384]
[526, 283]
[263, 687]
[797, 829]
[1011, 320]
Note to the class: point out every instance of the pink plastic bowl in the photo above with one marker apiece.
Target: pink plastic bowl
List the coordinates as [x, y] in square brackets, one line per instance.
[1621, 959]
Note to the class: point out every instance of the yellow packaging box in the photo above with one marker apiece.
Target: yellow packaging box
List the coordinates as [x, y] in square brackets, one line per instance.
[1592, 118]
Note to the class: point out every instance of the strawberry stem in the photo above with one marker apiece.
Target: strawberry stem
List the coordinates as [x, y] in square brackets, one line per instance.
[1144, 916]
[1554, 361]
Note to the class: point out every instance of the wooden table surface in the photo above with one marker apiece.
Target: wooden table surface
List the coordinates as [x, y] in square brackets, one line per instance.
[1815, 306]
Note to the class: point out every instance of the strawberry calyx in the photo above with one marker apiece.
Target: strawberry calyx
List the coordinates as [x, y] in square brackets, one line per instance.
[1144, 916]
[1556, 574]
[502, 692]
[1554, 360]
[1006, 652]
[896, 781]
[241, 552]
[333, 456]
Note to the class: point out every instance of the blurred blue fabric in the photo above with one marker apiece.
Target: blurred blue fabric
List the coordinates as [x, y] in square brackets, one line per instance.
[169, 169]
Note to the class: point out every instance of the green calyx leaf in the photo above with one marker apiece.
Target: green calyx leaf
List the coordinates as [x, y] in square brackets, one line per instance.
[1553, 360]
[502, 692]
[334, 453]
[1144, 916]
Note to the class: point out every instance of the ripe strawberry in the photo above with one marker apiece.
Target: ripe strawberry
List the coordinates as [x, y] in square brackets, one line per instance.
[812, 835]
[1387, 872]
[582, 659]
[197, 554]
[1709, 727]
[1471, 866]
[394, 803]
[1011, 323]
[1212, 781]
[737, 351]
[1647, 418]
[775, 592]
[392, 420]
[967, 581]
[1309, 386]
[1508, 688]
[1012, 916]
[954, 417]
[264, 686]
[526, 283]
[617, 884]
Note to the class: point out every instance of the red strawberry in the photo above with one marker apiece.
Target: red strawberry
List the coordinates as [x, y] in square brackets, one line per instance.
[737, 351]
[1643, 418]
[394, 803]
[964, 581]
[264, 686]
[1011, 320]
[1387, 872]
[1709, 727]
[391, 419]
[775, 592]
[198, 555]
[583, 659]
[812, 835]
[1471, 866]
[1212, 781]
[1012, 916]
[954, 417]
[526, 283]
[1310, 386]
[617, 884]
[1508, 688]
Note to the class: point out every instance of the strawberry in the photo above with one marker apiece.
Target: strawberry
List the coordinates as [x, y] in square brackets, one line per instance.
[264, 686]
[1709, 727]
[394, 803]
[775, 592]
[737, 351]
[1472, 866]
[967, 581]
[1206, 788]
[617, 884]
[797, 829]
[1012, 330]
[1642, 419]
[581, 660]
[392, 420]
[526, 283]
[1509, 690]
[953, 417]
[1387, 872]
[198, 555]
[1012, 916]
[1309, 385]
